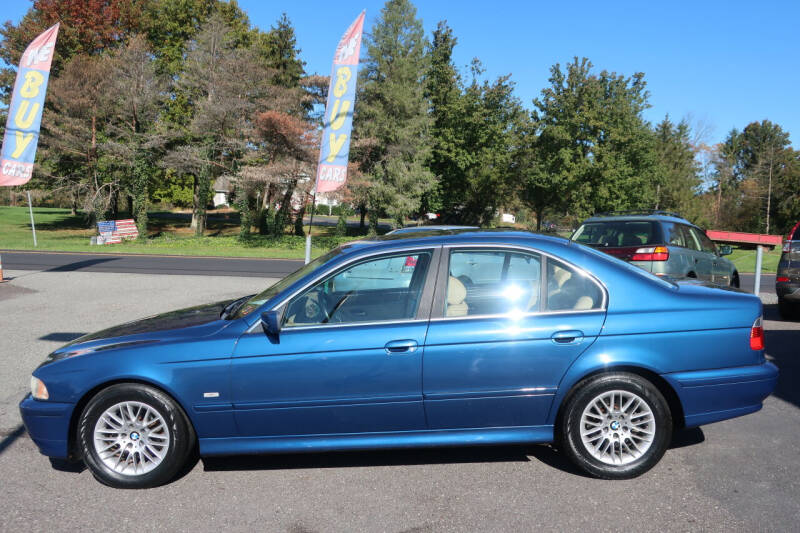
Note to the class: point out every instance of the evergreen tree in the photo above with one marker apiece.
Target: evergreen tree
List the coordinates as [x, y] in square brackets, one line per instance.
[391, 121]
[678, 171]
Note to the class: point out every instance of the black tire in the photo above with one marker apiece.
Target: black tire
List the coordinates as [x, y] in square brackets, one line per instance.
[735, 280]
[787, 310]
[181, 435]
[570, 425]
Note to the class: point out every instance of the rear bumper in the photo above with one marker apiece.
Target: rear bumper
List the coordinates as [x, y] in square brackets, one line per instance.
[713, 395]
[48, 425]
[789, 291]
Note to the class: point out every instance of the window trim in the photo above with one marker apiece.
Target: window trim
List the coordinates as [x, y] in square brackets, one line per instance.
[437, 310]
[424, 301]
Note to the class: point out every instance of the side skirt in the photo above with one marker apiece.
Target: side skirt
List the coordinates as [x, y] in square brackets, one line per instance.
[369, 441]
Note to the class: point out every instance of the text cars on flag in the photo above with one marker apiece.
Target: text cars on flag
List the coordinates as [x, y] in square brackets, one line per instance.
[335, 147]
[25, 110]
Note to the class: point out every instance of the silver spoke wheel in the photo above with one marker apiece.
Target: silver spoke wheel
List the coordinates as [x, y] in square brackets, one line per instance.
[131, 438]
[617, 427]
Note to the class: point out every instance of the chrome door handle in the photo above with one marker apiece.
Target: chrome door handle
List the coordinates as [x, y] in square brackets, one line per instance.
[571, 336]
[401, 346]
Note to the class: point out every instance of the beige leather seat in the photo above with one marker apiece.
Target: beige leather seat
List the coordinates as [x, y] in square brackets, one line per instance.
[584, 302]
[456, 293]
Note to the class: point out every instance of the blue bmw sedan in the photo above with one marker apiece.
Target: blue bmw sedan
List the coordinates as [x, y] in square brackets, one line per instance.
[428, 339]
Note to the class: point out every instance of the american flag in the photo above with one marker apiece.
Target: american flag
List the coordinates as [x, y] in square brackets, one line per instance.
[113, 231]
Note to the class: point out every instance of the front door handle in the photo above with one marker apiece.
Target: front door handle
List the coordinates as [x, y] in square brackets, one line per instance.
[401, 346]
[570, 336]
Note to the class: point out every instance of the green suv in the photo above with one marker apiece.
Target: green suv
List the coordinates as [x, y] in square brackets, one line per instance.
[659, 242]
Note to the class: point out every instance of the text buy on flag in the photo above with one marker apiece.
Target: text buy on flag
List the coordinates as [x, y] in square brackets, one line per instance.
[335, 148]
[25, 110]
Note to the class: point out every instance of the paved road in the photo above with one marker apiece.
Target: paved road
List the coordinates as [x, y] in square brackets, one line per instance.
[148, 264]
[203, 266]
[738, 475]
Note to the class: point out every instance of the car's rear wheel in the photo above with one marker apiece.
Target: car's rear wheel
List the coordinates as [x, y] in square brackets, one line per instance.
[134, 436]
[735, 280]
[616, 426]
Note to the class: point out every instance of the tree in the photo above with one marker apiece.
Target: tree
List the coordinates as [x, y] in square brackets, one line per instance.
[73, 135]
[87, 27]
[225, 90]
[392, 124]
[278, 49]
[593, 142]
[134, 138]
[678, 170]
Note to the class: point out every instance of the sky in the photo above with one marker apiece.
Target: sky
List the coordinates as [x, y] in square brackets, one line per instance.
[723, 64]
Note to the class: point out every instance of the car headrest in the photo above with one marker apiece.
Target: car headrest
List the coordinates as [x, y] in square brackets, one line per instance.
[456, 292]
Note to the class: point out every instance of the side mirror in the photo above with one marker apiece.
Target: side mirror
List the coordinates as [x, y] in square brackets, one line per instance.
[271, 322]
[725, 249]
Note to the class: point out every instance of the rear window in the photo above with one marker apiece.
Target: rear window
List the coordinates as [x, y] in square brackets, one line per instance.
[619, 233]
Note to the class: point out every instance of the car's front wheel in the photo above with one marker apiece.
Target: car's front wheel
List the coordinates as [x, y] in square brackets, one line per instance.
[134, 436]
[616, 426]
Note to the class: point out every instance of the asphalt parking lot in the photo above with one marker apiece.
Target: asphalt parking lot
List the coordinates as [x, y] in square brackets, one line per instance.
[735, 475]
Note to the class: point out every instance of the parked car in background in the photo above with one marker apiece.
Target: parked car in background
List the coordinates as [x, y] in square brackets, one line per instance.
[483, 337]
[787, 281]
[659, 242]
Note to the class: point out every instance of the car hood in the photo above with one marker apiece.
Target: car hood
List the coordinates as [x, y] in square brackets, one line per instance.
[168, 325]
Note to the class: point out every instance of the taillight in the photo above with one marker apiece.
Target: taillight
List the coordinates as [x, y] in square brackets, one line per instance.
[757, 335]
[783, 279]
[787, 246]
[655, 253]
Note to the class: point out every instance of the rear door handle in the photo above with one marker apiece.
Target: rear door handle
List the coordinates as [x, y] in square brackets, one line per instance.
[570, 336]
[401, 346]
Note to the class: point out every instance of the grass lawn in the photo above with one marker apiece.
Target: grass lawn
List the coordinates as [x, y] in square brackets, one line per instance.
[745, 260]
[169, 233]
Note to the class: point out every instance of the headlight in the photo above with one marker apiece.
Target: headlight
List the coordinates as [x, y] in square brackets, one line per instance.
[38, 390]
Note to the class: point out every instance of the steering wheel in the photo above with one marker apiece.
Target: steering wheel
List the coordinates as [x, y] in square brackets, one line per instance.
[342, 300]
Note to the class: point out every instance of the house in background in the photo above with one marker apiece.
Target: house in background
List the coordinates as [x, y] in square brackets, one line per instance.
[222, 191]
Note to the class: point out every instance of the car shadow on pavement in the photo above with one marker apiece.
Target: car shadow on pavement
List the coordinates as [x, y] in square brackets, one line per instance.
[783, 348]
[347, 459]
[63, 336]
[9, 439]
[80, 265]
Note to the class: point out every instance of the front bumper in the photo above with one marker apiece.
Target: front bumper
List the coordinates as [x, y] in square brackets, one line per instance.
[48, 425]
[713, 395]
[789, 291]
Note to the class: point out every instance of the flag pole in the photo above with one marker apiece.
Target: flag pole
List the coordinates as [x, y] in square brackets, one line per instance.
[311, 225]
[33, 227]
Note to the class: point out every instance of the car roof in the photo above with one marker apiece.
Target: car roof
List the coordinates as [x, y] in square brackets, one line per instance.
[625, 218]
[438, 237]
[413, 229]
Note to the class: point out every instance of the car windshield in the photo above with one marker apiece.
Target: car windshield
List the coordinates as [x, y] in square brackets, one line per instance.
[618, 233]
[258, 300]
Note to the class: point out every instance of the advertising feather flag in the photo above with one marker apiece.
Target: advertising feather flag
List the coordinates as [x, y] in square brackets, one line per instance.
[25, 110]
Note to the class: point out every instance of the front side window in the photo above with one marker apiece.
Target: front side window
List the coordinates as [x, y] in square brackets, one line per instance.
[705, 243]
[387, 288]
[569, 289]
[492, 282]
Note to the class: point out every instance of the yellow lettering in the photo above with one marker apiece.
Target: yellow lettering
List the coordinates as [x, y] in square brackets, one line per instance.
[20, 120]
[33, 79]
[23, 140]
[338, 116]
[336, 145]
[343, 75]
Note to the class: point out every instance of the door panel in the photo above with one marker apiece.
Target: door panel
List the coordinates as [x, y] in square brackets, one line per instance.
[494, 372]
[349, 356]
[336, 379]
[502, 370]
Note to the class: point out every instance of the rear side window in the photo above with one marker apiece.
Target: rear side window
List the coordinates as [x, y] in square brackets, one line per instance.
[492, 283]
[691, 239]
[673, 235]
[569, 289]
[618, 233]
[705, 243]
